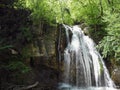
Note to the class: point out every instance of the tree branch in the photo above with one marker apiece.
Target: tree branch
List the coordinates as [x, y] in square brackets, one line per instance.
[30, 86]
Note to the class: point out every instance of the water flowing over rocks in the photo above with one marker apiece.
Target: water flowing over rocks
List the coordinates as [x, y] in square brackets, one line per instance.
[83, 65]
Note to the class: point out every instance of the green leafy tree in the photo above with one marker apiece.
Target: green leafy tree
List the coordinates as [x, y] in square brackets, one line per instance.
[110, 45]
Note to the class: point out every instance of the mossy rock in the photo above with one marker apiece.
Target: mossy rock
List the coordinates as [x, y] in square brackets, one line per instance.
[116, 76]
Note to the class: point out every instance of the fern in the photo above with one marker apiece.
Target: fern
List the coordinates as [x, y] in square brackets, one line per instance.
[110, 45]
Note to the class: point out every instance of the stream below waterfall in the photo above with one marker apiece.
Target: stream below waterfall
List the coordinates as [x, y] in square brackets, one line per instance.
[63, 86]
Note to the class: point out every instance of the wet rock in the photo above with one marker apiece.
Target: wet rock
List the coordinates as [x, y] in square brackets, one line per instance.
[86, 31]
[116, 76]
[85, 28]
[83, 25]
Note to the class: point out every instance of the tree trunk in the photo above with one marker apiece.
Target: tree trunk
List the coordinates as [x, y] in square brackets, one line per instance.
[30, 86]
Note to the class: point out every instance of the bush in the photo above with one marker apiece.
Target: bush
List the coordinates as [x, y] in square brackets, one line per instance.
[110, 45]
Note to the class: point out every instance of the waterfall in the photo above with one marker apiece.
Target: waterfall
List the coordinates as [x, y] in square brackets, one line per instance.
[83, 65]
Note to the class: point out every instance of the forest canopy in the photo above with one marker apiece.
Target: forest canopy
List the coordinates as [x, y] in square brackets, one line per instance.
[103, 14]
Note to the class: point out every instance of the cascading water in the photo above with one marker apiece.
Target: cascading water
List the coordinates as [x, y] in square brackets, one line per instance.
[83, 64]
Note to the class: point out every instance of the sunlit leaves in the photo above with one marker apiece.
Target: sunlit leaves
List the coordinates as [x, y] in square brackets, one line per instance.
[110, 44]
[92, 12]
[65, 11]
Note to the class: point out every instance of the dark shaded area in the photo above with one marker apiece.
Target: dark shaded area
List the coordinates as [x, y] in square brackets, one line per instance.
[14, 26]
[97, 32]
[15, 33]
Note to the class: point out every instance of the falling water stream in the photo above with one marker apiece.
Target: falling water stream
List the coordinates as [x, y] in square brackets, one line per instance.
[83, 65]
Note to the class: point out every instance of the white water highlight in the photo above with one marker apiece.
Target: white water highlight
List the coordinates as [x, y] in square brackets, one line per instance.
[83, 65]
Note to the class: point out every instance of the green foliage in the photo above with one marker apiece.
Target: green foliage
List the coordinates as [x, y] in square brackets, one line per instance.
[62, 11]
[27, 34]
[19, 4]
[70, 11]
[91, 12]
[12, 62]
[18, 66]
[41, 10]
[8, 3]
[15, 33]
[50, 11]
[27, 51]
[101, 15]
[110, 45]
[5, 47]
[98, 14]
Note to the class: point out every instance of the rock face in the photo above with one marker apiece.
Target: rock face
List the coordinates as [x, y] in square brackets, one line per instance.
[116, 76]
[45, 72]
[43, 59]
[44, 42]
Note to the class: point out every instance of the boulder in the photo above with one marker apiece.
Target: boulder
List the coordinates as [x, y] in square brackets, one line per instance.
[116, 76]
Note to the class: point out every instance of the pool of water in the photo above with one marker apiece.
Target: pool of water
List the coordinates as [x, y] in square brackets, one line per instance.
[63, 86]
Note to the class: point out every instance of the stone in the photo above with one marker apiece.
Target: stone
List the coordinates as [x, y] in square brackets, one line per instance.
[116, 76]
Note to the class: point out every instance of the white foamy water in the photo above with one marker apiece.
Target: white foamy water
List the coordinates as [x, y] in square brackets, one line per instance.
[64, 86]
[83, 65]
